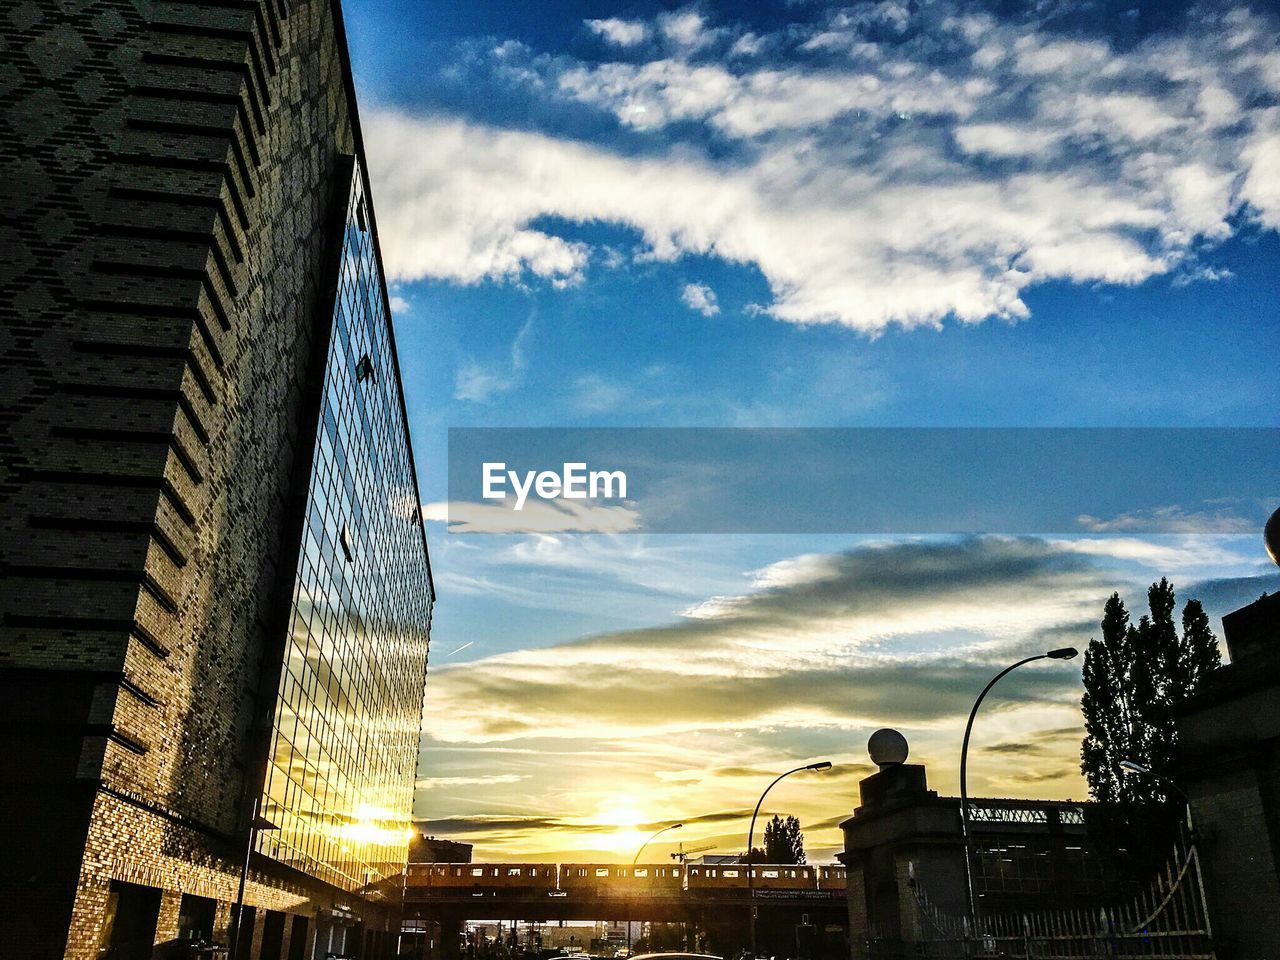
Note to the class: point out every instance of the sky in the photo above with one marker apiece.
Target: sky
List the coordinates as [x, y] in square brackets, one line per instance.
[804, 214]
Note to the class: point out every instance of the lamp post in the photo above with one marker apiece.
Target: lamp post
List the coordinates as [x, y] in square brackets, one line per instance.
[634, 861]
[751, 836]
[257, 823]
[1063, 653]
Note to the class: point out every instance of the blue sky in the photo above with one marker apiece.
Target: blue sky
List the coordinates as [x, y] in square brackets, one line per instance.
[801, 214]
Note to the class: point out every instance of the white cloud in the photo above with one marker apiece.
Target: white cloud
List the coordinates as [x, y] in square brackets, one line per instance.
[623, 33]
[842, 184]
[1262, 183]
[747, 45]
[700, 297]
[686, 28]
[399, 305]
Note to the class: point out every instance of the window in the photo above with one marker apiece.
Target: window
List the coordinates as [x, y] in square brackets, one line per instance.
[477, 872]
[730, 873]
[346, 542]
[365, 370]
[514, 871]
[602, 871]
[642, 871]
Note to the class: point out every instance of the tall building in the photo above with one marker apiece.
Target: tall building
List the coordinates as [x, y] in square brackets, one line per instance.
[1229, 753]
[217, 594]
[427, 849]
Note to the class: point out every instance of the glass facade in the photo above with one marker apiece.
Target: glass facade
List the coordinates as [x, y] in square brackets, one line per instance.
[339, 786]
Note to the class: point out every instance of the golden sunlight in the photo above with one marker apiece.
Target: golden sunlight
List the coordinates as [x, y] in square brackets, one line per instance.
[623, 815]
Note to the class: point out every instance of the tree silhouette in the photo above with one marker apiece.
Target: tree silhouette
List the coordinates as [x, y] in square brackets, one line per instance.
[1133, 676]
[783, 841]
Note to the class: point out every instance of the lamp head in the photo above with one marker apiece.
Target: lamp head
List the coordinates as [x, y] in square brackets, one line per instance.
[820, 765]
[1063, 653]
[675, 826]
[1133, 767]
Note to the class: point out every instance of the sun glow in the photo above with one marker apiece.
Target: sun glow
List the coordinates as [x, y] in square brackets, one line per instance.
[625, 817]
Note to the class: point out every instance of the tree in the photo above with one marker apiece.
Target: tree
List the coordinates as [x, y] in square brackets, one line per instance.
[783, 841]
[1133, 676]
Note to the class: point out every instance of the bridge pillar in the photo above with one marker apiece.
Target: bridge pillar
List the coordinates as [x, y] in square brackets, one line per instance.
[450, 942]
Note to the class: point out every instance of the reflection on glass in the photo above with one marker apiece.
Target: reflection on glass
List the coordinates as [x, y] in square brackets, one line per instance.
[340, 782]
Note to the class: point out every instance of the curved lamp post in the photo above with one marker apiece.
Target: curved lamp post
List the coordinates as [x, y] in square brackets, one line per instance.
[635, 860]
[751, 835]
[1063, 653]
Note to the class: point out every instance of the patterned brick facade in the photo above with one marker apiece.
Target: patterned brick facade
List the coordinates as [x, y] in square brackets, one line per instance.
[175, 181]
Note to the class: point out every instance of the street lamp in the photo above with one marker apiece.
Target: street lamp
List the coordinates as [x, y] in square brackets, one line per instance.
[634, 861]
[257, 823]
[751, 836]
[1063, 653]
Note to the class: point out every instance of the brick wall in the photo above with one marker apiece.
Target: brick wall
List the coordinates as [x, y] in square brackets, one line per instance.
[168, 173]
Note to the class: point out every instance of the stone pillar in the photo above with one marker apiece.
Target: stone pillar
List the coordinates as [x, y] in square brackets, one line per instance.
[222, 922]
[87, 918]
[167, 921]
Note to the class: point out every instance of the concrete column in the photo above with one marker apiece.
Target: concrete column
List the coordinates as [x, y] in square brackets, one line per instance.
[450, 935]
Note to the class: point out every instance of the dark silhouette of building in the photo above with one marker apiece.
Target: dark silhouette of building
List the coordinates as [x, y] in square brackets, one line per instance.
[904, 855]
[217, 595]
[425, 849]
[1229, 741]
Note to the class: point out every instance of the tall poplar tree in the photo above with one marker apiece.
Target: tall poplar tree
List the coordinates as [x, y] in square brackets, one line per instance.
[1134, 674]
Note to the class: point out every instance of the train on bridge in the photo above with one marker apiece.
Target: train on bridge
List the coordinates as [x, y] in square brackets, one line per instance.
[605, 880]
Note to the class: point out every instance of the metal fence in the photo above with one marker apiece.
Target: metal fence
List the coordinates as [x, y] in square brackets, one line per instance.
[1167, 920]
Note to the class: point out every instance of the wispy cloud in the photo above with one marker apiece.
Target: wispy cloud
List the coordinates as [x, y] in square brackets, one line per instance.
[1172, 518]
[892, 166]
[479, 383]
[433, 783]
[537, 516]
[873, 635]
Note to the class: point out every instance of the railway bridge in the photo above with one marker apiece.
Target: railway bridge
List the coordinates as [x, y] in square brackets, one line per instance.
[712, 901]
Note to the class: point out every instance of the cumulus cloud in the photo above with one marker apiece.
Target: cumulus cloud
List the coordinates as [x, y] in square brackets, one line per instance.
[700, 297]
[905, 175]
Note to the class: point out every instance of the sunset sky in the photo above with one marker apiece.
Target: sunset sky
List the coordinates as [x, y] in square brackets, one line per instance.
[805, 214]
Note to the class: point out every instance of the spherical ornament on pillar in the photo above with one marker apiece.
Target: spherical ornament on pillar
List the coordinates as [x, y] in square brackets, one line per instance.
[1271, 537]
[888, 748]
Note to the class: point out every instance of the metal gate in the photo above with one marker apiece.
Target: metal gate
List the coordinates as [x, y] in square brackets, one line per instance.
[1167, 920]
